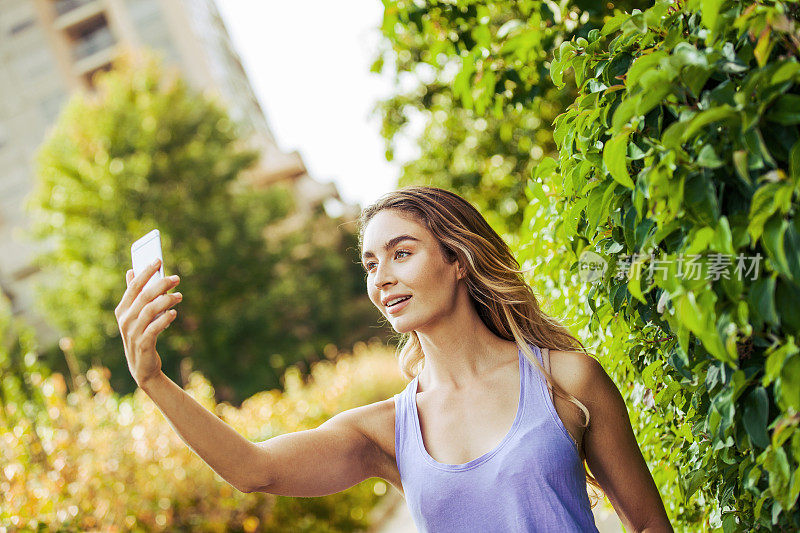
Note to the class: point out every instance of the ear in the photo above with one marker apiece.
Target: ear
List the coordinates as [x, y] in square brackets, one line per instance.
[462, 271]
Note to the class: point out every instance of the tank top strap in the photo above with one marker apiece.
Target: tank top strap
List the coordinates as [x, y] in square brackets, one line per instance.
[403, 422]
[546, 362]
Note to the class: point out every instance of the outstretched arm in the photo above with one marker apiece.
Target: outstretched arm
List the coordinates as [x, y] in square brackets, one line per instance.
[614, 457]
[320, 461]
[222, 448]
[313, 462]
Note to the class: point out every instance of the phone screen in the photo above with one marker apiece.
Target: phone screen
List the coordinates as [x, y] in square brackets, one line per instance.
[143, 252]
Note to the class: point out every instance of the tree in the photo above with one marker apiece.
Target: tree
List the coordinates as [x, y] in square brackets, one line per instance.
[145, 151]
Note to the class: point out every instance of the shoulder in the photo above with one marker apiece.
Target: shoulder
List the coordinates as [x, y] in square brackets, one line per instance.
[582, 376]
[375, 423]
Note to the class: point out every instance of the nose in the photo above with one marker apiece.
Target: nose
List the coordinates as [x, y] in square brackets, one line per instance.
[383, 276]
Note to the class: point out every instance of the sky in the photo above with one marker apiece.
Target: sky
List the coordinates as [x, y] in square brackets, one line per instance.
[308, 63]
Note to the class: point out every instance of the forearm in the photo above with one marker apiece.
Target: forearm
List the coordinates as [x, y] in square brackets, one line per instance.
[227, 452]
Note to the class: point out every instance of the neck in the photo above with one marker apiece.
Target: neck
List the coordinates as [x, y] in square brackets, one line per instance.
[460, 350]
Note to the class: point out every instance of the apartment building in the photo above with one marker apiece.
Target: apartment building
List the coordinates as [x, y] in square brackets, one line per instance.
[50, 48]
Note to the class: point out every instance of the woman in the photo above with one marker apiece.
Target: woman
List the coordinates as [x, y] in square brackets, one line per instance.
[477, 441]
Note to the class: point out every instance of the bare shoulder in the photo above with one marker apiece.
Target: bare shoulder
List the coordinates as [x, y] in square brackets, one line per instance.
[582, 376]
[375, 421]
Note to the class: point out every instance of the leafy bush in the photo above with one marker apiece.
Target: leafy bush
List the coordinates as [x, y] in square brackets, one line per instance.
[115, 462]
[680, 137]
[684, 145]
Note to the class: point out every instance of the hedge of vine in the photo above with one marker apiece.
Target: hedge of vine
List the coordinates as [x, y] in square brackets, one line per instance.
[684, 144]
[678, 167]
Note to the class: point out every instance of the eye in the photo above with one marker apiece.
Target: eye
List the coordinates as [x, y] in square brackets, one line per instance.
[368, 266]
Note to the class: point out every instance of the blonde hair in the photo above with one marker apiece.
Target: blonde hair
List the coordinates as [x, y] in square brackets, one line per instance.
[501, 296]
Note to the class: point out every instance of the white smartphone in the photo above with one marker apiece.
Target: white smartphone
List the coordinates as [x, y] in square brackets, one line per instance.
[143, 252]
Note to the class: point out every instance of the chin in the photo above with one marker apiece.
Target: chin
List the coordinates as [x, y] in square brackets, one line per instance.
[401, 326]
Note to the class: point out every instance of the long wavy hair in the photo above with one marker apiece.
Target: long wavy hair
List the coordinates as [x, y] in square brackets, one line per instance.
[501, 296]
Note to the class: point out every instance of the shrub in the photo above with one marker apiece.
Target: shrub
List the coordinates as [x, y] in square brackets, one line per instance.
[114, 463]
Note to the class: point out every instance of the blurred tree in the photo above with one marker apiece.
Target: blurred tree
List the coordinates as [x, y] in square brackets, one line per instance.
[21, 400]
[147, 152]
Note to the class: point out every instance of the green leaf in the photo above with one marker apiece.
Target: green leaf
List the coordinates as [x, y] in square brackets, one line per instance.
[723, 112]
[708, 157]
[773, 240]
[642, 64]
[775, 360]
[624, 112]
[710, 13]
[762, 299]
[693, 482]
[561, 56]
[673, 135]
[689, 313]
[740, 164]
[778, 467]
[762, 206]
[614, 157]
[794, 163]
[613, 23]
[785, 110]
[790, 382]
[653, 97]
[534, 191]
[755, 416]
[573, 215]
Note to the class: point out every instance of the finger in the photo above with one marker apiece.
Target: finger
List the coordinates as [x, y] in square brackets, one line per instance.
[158, 325]
[129, 276]
[150, 312]
[139, 281]
[151, 294]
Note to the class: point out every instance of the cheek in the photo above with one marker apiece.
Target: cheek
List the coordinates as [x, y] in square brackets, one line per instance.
[372, 293]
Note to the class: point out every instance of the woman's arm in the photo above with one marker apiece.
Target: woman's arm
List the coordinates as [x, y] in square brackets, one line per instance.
[328, 459]
[314, 462]
[613, 455]
[222, 448]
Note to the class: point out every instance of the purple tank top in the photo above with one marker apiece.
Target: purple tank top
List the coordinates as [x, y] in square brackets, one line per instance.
[532, 481]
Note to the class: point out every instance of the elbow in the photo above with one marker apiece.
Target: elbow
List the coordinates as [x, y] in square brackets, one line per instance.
[243, 488]
[255, 488]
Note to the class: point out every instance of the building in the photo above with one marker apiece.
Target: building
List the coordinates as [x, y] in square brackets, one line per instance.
[50, 48]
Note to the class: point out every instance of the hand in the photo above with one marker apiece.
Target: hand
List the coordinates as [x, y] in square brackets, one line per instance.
[138, 321]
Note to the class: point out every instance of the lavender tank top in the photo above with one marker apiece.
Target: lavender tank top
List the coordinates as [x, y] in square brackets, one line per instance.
[533, 480]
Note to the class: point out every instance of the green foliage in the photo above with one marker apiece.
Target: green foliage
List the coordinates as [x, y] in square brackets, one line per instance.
[21, 400]
[477, 74]
[147, 152]
[113, 462]
[680, 139]
[684, 137]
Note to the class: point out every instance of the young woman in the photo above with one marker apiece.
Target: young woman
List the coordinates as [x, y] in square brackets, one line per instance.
[503, 409]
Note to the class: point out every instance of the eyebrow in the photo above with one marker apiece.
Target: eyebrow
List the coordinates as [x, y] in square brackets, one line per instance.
[391, 243]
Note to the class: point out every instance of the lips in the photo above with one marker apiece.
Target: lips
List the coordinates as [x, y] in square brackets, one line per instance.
[393, 297]
[396, 308]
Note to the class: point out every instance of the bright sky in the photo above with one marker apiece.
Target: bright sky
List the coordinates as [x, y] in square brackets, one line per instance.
[308, 63]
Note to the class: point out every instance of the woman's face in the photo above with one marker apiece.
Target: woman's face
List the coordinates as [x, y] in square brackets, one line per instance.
[402, 258]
